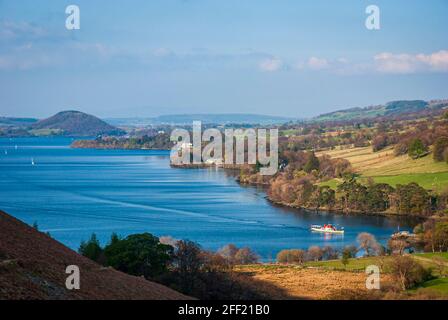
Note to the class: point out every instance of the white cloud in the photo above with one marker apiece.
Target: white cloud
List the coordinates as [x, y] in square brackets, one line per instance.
[385, 62]
[408, 63]
[10, 30]
[395, 63]
[271, 64]
[317, 63]
[438, 61]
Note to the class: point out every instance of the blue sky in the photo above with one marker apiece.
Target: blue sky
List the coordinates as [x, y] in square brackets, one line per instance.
[283, 57]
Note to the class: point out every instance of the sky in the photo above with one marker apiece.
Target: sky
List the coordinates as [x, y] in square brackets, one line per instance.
[141, 58]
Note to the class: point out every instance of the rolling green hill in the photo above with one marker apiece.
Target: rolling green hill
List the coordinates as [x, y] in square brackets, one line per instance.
[16, 122]
[389, 109]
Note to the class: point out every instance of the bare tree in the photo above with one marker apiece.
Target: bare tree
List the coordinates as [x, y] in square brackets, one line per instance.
[168, 240]
[330, 253]
[291, 256]
[398, 246]
[228, 252]
[407, 271]
[352, 250]
[297, 256]
[368, 243]
[315, 253]
[441, 235]
[283, 256]
[441, 265]
[188, 262]
[214, 262]
[246, 256]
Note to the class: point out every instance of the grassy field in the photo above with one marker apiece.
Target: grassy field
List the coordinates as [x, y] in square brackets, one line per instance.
[384, 167]
[439, 284]
[46, 132]
[289, 132]
[358, 264]
[425, 259]
[432, 181]
[333, 183]
[443, 255]
[384, 163]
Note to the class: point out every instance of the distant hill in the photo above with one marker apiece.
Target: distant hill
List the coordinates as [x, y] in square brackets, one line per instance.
[391, 108]
[181, 119]
[32, 267]
[16, 122]
[75, 123]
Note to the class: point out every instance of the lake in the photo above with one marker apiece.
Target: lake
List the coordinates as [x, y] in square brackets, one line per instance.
[73, 193]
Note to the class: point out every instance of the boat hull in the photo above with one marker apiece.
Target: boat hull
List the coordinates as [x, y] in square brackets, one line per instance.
[328, 231]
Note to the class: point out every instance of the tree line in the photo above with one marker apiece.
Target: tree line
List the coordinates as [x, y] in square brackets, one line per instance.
[300, 190]
[180, 264]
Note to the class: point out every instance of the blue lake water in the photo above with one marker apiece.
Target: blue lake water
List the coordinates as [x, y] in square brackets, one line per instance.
[73, 193]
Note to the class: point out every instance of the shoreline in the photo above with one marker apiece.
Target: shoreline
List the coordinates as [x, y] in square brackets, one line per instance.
[348, 213]
[333, 210]
[100, 147]
[264, 186]
[386, 214]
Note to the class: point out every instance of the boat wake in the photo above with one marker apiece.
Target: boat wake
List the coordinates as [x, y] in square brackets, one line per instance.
[128, 204]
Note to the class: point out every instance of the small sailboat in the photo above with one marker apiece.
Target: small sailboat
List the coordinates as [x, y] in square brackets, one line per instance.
[327, 228]
[32, 162]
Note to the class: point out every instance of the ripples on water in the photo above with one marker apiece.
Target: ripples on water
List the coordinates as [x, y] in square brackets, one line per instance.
[74, 192]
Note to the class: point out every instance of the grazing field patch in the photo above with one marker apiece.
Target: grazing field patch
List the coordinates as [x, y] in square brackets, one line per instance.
[384, 167]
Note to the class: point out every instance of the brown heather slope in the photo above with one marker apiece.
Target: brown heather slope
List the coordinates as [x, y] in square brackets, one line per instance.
[32, 266]
[294, 282]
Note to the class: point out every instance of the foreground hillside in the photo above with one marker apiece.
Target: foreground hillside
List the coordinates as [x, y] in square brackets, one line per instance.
[32, 266]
